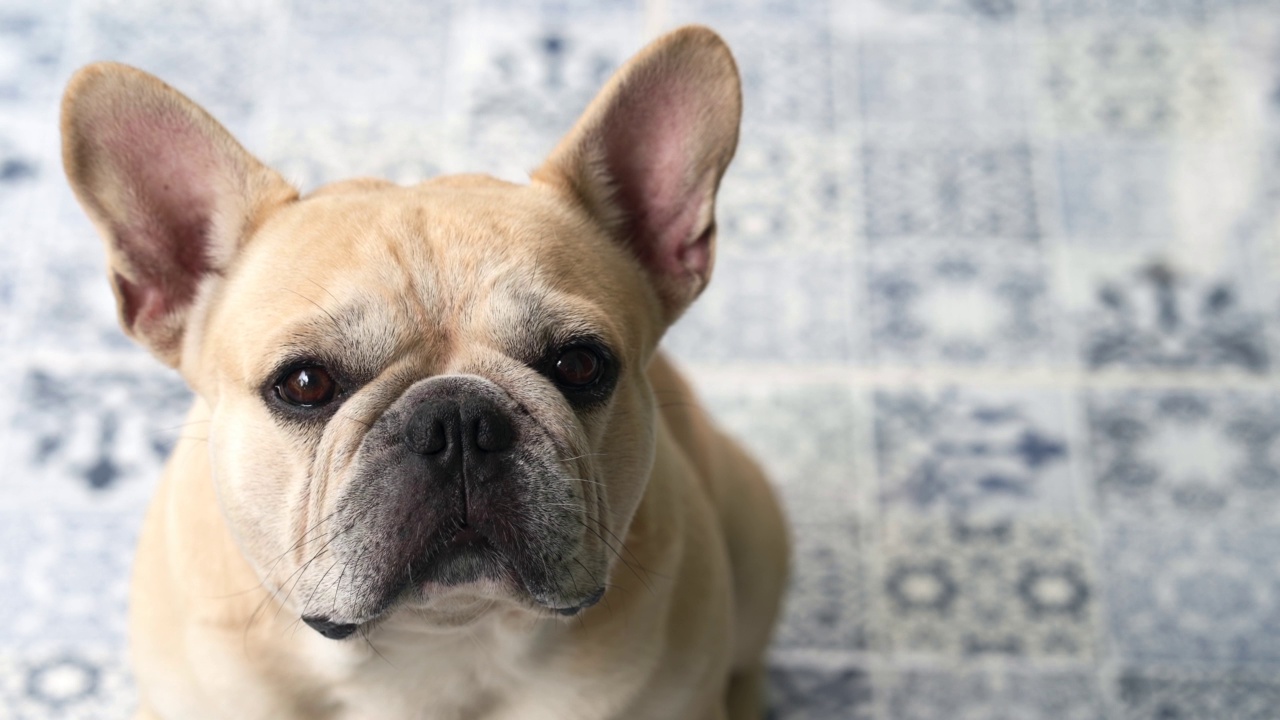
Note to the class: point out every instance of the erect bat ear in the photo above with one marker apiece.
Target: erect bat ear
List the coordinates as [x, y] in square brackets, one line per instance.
[172, 193]
[647, 155]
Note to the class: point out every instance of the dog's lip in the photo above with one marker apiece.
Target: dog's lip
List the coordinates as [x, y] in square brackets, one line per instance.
[467, 535]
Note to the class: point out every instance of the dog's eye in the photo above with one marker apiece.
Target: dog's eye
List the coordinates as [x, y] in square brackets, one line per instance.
[579, 367]
[307, 387]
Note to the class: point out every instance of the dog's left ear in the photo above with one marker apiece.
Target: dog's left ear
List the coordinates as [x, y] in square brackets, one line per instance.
[647, 155]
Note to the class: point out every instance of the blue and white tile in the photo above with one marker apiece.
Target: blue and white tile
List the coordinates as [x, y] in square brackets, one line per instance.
[787, 68]
[88, 437]
[1163, 695]
[1186, 456]
[772, 308]
[66, 576]
[826, 600]
[64, 298]
[804, 438]
[789, 191]
[1136, 314]
[818, 692]
[1018, 589]
[385, 63]
[405, 153]
[981, 192]
[1136, 81]
[937, 80]
[1115, 193]
[974, 451]
[803, 435]
[1056, 13]
[961, 309]
[716, 12]
[993, 695]
[523, 78]
[33, 37]
[1194, 595]
[79, 681]
[218, 53]
[973, 18]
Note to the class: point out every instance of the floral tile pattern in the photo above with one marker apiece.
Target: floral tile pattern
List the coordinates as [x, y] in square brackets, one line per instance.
[1195, 596]
[1169, 695]
[928, 695]
[972, 452]
[994, 306]
[975, 589]
[1186, 456]
[957, 308]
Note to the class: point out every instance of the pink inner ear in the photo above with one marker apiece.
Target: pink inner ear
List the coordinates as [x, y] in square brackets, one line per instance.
[650, 146]
[169, 169]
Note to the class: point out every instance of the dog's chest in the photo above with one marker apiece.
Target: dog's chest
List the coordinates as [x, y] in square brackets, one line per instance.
[452, 678]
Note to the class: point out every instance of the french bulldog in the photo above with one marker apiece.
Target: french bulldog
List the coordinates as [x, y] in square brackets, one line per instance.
[437, 467]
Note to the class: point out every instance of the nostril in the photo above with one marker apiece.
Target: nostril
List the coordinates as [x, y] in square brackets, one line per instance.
[435, 440]
[494, 433]
[426, 436]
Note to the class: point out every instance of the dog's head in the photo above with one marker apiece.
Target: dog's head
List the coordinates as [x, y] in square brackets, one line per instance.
[420, 397]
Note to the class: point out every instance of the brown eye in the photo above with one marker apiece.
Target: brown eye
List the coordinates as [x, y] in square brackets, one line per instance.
[307, 387]
[578, 367]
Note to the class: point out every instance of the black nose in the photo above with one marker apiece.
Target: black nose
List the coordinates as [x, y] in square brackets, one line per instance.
[471, 423]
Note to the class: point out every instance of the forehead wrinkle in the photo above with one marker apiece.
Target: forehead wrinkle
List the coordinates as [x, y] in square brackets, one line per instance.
[411, 272]
[351, 333]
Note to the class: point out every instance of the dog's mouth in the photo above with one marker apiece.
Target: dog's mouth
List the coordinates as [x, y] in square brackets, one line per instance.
[463, 557]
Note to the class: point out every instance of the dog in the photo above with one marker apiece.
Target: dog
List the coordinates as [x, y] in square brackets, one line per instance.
[438, 466]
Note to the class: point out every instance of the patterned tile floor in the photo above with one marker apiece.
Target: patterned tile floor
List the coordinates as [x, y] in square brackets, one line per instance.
[997, 305]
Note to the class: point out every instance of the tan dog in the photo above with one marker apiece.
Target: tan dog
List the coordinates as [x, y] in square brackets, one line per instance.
[447, 473]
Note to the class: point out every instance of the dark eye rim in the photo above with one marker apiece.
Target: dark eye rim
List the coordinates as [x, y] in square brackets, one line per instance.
[602, 365]
[283, 381]
[272, 394]
[593, 393]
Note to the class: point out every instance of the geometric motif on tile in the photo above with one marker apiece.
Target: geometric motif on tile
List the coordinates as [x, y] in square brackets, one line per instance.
[786, 71]
[788, 191]
[66, 575]
[211, 56]
[1188, 594]
[102, 429]
[972, 451]
[1135, 80]
[792, 308]
[1006, 588]
[1188, 456]
[1242, 696]
[1115, 12]
[1020, 695]
[992, 11]
[959, 309]
[941, 82]
[807, 693]
[402, 153]
[65, 299]
[365, 62]
[1159, 318]
[825, 606]
[961, 191]
[802, 435]
[75, 682]
[1114, 192]
[527, 82]
[32, 34]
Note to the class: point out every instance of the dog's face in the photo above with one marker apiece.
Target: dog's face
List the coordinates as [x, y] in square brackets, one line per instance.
[418, 388]
[430, 399]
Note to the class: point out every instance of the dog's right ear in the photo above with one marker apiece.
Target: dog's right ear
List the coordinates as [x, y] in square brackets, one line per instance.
[172, 193]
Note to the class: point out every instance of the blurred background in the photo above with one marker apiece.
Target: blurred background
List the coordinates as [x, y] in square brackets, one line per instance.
[996, 303]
